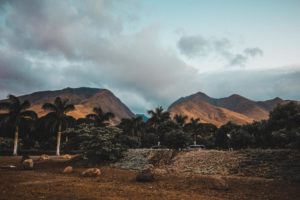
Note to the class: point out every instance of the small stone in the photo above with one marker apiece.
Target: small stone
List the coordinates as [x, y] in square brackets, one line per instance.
[68, 170]
[25, 157]
[44, 157]
[91, 172]
[27, 164]
[160, 171]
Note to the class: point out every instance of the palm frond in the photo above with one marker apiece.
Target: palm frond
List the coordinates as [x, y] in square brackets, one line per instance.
[13, 99]
[92, 116]
[98, 110]
[25, 105]
[151, 112]
[68, 108]
[29, 114]
[109, 115]
[58, 102]
[49, 107]
[5, 105]
[64, 102]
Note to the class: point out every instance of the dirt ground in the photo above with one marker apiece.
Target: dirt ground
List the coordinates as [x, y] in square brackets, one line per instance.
[47, 181]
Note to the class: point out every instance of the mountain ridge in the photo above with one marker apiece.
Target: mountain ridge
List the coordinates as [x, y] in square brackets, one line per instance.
[84, 100]
[235, 107]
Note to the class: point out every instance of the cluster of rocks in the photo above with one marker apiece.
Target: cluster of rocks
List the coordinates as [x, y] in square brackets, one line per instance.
[279, 164]
[141, 159]
[27, 163]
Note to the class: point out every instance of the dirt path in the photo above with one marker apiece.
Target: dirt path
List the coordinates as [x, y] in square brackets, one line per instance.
[47, 182]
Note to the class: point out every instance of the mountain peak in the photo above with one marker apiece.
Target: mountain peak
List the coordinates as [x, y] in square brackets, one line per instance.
[84, 99]
[236, 96]
[235, 107]
[277, 99]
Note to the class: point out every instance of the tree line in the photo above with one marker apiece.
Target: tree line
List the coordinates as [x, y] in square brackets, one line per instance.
[58, 129]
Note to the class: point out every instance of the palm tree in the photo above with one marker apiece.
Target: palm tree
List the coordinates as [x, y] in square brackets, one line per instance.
[194, 127]
[57, 116]
[17, 112]
[158, 117]
[180, 119]
[100, 117]
[133, 126]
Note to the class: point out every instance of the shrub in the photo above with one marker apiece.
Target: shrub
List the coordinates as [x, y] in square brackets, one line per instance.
[176, 139]
[6, 143]
[149, 139]
[129, 141]
[97, 143]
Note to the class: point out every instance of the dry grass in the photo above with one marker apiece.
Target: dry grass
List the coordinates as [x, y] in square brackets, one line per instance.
[47, 181]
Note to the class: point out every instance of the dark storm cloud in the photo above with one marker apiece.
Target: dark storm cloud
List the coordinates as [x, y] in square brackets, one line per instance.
[55, 44]
[76, 43]
[198, 46]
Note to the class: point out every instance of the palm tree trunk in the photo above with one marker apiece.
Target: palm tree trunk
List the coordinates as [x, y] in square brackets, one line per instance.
[15, 152]
[58, 141]
[195, 139]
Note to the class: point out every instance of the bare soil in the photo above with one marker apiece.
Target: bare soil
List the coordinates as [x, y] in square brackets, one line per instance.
[47, 181]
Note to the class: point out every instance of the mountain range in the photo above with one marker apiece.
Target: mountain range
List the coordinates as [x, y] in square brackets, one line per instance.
[235, 108]
[218, 111]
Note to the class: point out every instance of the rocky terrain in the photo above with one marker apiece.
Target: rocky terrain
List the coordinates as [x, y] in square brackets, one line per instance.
[277, 164]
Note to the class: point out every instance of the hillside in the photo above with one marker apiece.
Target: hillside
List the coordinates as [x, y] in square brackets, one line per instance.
[234, 108]
[84, 99]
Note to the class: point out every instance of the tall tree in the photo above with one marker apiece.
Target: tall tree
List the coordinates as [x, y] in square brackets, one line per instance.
[157, 119]
[193, 127]
[133, 126]
[180, 119]
[100, 117]
[58, 117]
[17, 112]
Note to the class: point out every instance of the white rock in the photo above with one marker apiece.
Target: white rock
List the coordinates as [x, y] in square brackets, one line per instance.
[91, 172]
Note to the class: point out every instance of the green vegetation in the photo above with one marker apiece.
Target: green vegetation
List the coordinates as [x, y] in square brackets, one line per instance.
[95, 137]
[17, 113]
[96, 143]
[57, 117]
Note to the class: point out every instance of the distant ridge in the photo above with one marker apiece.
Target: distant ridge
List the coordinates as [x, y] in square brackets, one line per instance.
[219, 111]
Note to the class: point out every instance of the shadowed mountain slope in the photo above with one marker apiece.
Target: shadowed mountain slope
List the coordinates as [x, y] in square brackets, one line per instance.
[84, 99]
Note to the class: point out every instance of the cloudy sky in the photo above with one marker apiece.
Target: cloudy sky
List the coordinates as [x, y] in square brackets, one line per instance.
[151, 53]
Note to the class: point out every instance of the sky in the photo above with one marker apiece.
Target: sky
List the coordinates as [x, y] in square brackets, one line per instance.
[151, 53]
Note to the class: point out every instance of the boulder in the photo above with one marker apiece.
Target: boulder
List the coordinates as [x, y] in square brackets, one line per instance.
[27, 164]
[25, 157]
[91, 172]
[44, 157]
[68, 170]
[145, 176]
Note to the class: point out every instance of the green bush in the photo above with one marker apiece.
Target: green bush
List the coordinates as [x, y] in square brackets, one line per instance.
[129, 141]
[149, 139]
[97, 143]
[176, 139]
[6, 143]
